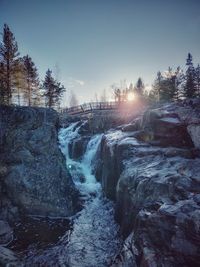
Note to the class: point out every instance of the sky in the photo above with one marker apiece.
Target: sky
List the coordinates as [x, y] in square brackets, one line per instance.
[91, 44]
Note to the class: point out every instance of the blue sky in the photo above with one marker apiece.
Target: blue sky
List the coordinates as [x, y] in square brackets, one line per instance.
[92, 44]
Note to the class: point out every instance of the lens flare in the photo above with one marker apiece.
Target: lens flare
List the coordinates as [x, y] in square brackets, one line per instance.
[130, 96]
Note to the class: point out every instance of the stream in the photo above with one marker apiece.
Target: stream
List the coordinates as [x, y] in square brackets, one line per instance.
[94, 240]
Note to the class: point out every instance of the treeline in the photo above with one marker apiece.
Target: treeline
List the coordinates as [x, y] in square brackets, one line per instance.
[124, 92]
[19, 79]
[168, 86]
[175, 85]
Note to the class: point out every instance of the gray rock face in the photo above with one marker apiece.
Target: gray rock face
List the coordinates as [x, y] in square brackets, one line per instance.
[6, 233]
[154, 176]
[194, 131]
[34, 175]
[166, 128]
[9, 258]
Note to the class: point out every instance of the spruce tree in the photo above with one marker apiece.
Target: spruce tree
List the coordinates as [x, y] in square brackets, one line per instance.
[177, 80]
[53, 90]
[2, 84]
[170, 89]
[8, 59]
[197, 80]
[60, 89]
[156, 88]
[139, 87]
[31, 80]
[189, 86]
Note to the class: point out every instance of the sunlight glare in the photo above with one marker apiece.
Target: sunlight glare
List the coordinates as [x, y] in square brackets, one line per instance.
[131, 96]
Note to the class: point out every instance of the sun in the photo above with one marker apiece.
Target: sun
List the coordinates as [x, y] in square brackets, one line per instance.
[130, 96]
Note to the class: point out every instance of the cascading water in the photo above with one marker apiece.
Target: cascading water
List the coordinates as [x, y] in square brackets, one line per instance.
[83, 168]
[93, 240]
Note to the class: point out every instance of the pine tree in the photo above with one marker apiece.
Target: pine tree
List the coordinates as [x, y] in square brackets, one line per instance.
[197, 80]
[49, 87]
[8, 58]
[170, 89]
[177, 80]
[189, 86]
[60, 89]
[2, 84]
[53, 90]
[31, 80]
[156, 88]
[19, 83]
[139, 87]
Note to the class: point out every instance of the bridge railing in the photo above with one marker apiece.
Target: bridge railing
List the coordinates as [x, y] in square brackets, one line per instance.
[89, 107]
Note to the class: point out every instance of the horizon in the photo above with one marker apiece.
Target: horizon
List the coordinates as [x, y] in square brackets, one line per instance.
[91, 45]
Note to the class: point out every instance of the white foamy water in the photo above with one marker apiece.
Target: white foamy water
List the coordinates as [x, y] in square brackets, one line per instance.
[80, 170]
[94, 240]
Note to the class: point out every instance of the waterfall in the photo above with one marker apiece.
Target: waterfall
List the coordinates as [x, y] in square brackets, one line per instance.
[94, 238]
[81, 172]
[66, 135]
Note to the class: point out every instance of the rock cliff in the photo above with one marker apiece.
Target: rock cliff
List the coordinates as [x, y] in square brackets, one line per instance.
[34, 179]
[151, 168]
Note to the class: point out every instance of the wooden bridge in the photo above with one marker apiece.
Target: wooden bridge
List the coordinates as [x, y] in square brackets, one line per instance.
[90, 107]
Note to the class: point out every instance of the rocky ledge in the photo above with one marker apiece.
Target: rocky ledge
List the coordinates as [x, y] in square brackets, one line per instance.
[33, 175]
[151, 168]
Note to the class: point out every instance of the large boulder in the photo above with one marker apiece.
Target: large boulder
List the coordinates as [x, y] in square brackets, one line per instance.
[36, 178]
[78, 147]
[165, 127]
[110, 161]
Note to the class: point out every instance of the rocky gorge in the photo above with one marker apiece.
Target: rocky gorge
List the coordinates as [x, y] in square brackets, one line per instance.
[151, 169]
[144, 175]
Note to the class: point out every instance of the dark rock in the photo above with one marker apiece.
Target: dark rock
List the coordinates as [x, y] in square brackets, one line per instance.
[127, 256]
[129, 128]
[85, 128]
[78, 147]
[6, 233]
[154, 200]
[194, 131]
[165, 127]
[9, 258]
[111, 161]
[36, 179]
